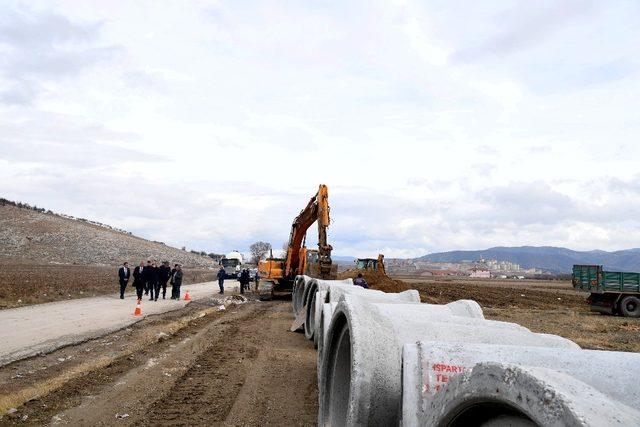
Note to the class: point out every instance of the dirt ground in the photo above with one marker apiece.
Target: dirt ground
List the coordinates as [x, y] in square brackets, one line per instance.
[241, 366]
[25, 283]
[237, 367]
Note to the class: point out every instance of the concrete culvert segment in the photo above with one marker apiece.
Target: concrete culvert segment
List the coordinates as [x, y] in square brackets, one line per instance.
[462, 308]
[335, 293]
[339, 379]
[299, 286]
[428, 368]
[314, 286]
[377, 333]
[491, 392]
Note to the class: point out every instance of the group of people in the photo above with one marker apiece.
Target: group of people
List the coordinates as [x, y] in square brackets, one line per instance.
[150, 278]
[244, 278]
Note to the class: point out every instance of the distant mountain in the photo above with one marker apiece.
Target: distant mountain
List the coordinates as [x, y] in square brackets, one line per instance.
[556, 260]
[342, 258]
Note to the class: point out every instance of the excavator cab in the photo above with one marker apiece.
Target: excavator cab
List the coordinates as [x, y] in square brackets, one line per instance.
[367, 264]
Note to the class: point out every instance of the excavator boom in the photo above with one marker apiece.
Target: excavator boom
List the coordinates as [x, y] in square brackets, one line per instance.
[316, 210]
[280, 273]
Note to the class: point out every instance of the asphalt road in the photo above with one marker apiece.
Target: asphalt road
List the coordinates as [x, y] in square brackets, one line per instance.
[42, 328]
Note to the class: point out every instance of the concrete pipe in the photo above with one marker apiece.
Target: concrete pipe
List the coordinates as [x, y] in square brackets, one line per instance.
[464, 308]
[334, 294]
[560, 390]
[492, 394]
[312, 288]
[362, 361]
[299, 286]
[324, 311]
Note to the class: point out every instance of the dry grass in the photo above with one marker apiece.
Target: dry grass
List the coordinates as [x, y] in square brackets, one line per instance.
[542, 306]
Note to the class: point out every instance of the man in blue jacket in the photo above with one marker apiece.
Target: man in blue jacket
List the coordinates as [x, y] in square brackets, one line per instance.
[359, 281]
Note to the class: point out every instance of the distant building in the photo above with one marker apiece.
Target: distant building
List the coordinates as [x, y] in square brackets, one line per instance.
[432, 272]
[480, 273]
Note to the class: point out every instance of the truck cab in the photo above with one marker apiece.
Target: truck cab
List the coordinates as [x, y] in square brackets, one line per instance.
[232, 264]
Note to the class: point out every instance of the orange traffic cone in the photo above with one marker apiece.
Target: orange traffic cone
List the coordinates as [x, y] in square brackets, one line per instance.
[138, 311]
[187, 297]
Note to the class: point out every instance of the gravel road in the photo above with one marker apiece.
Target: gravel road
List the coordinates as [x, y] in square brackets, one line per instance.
[42, 328]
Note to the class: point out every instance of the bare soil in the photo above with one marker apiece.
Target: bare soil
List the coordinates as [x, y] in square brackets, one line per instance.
[237, 367]
[27, 283]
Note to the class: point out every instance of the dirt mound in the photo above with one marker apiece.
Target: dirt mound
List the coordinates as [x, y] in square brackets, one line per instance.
[376, 280]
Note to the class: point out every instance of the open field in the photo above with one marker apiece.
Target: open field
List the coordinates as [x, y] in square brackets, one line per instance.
[27, 283]
[552, 307]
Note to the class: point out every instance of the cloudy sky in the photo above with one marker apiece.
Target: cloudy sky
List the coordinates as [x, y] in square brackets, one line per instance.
[437, 125]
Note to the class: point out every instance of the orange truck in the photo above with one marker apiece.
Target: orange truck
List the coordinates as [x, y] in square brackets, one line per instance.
[277, 274]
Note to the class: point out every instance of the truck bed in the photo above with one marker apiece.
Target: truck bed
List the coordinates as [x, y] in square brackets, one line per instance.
[594, 279]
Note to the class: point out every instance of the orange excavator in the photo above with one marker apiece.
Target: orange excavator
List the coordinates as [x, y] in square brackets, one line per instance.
[277, 274]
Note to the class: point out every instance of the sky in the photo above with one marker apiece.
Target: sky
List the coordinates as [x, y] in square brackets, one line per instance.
[437, 125]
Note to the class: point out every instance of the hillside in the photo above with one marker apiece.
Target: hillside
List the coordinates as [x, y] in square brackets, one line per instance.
[28, 235]
[557, 260]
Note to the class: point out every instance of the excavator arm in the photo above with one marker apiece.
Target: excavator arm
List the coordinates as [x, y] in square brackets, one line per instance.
[317, 210]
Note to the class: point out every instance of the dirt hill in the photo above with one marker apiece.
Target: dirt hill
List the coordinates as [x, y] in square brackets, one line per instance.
[376, 280]
[28, 235]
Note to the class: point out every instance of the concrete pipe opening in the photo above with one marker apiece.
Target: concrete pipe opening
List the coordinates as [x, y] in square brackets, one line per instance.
[338, 378]
[488, 414]
[310, 319]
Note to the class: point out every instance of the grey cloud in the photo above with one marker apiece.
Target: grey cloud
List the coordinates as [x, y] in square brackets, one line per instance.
[40, 46]
[66, 141]
[28, 29]
[524, 27]
[78, 155]
[20, 93]
[540, 149]
[528, 203]
[58, 63]
[139, 79]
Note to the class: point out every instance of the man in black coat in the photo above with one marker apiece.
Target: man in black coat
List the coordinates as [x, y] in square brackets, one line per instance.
[244, 280]
[177, 281]
[123, 274]
[154, 282]
[138, 279]
[164, 272]
[221, 276]
[146, 279]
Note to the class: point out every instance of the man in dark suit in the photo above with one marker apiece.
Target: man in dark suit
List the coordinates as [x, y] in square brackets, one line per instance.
[154, 281]
[147, 276]
[164, 272]
[123, 274]
[138, 279]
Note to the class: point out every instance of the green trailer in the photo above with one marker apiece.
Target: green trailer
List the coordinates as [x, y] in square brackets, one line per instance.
[612, 292]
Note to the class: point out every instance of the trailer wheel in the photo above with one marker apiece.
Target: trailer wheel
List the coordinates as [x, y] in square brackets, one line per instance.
[630, 306]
